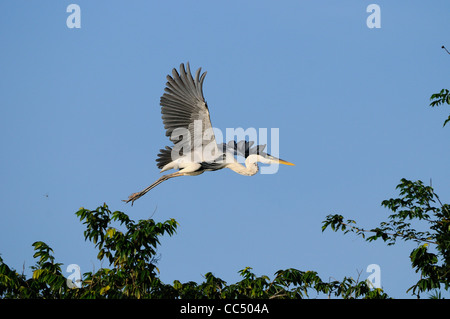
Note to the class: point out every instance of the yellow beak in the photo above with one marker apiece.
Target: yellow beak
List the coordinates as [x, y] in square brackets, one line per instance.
[286, 163]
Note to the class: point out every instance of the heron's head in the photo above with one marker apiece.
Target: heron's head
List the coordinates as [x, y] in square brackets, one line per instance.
[268, 159]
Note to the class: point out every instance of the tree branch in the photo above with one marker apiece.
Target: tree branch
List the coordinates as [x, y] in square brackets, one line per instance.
[359, 230]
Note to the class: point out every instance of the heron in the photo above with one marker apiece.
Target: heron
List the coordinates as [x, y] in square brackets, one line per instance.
[187, 122]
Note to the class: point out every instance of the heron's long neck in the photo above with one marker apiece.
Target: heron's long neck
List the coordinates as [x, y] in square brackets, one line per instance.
[250, 168]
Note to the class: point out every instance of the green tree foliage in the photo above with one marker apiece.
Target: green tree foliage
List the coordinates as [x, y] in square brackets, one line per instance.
[418, 203]
[131, 256]
[443, 97]
[132, 271]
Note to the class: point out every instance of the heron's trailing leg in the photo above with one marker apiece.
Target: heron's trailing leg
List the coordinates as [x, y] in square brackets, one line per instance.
[163, 178]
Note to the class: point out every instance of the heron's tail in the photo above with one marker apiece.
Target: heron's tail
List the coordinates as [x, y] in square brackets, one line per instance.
[164, 157]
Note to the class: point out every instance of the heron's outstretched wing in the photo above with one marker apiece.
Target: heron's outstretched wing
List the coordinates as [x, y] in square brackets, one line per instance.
[184, 109]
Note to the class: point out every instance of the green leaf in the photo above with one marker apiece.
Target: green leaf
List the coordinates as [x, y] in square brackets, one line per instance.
[37, 273]
[448, 119]
[104, 290]
[110, 232]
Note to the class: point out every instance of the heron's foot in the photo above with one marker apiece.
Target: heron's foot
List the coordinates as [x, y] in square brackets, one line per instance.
[132, 198]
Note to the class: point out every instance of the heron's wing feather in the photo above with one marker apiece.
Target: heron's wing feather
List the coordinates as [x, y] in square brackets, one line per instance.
[185, 113]
[242, 148]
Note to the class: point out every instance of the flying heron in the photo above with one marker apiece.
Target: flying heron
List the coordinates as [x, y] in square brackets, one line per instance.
[186, 119]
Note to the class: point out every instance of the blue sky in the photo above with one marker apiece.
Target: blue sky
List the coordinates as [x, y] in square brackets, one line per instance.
[80, 125]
